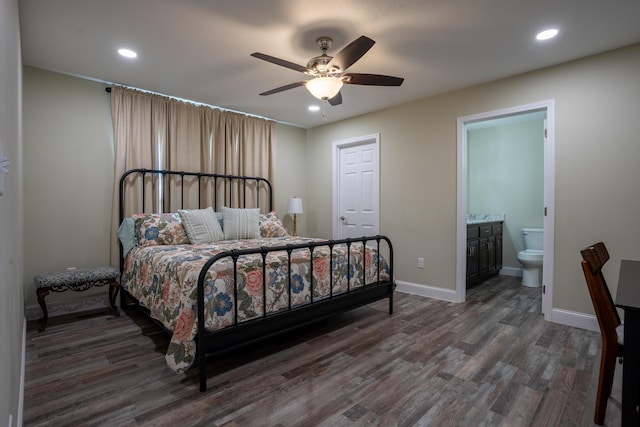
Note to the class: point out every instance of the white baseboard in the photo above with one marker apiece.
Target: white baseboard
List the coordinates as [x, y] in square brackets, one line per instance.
[33, 312]
[427, 291]
[575, 319]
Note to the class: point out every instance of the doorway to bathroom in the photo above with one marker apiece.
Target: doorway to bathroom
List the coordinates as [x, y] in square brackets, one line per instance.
[543, 113]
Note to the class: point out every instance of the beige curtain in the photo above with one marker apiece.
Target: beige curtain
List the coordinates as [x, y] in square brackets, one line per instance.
[156, 132]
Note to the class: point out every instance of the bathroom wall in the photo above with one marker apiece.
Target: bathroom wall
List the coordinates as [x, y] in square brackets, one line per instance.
[506, 175]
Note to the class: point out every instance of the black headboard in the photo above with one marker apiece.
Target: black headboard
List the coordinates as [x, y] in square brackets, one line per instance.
[167, 191]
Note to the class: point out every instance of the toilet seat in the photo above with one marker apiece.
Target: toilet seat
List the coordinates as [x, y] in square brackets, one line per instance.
[530, 255]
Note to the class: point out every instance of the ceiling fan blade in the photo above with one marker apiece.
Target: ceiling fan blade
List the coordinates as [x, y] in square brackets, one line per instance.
[351, 53]
[280, 62]
[336, 100]
[283, 88]
[371, 79]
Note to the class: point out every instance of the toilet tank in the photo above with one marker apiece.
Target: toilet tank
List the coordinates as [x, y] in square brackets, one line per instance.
[533, 238]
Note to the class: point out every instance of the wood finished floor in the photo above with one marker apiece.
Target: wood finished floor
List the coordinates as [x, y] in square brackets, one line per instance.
[492, 361]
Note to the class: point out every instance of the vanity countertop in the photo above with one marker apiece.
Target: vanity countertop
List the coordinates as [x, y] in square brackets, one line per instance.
[482, 218]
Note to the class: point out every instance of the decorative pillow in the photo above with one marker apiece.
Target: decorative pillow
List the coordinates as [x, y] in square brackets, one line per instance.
[202, 225]
[271, 226]
[159, 229]
[241, 223]
[127, 235]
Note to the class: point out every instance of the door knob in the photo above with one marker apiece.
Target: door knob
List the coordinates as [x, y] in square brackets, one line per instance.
[342, 218]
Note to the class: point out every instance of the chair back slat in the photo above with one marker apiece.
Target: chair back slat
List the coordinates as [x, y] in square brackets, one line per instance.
[596, 255]
[594, 258]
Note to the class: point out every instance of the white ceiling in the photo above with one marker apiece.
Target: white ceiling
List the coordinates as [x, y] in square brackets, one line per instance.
[199, 49]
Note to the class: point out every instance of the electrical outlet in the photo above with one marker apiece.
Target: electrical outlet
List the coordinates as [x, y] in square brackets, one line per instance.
[420, 262]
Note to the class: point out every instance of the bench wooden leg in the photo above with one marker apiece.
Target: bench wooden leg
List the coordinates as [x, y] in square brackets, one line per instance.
[41, 293]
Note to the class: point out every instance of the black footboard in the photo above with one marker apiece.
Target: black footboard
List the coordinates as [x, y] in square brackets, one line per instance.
[270, 324]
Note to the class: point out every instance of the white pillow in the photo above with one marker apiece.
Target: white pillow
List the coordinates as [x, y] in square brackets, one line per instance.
[202, 225]
[241, 223]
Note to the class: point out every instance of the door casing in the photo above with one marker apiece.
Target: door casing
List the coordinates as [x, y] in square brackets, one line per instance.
[549, 196]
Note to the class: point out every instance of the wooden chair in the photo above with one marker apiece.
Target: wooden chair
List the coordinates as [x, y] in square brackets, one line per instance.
[594, 257]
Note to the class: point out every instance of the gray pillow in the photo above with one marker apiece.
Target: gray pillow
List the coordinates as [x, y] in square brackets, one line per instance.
[241, 223]
[202, 225]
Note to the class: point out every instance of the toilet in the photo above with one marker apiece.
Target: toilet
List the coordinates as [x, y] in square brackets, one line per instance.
[531, 257]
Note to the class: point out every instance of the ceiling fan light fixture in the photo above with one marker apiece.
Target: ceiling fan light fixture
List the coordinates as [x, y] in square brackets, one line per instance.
[327, 72]
[324, 88]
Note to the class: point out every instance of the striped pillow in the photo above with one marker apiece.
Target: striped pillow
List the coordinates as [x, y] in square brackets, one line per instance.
[241, 223]
[202, 225]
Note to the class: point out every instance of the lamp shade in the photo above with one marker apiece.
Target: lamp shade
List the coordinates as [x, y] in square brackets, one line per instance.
[295, 205]
[324, 87]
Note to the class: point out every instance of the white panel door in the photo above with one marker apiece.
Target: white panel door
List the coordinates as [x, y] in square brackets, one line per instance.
[358, 189]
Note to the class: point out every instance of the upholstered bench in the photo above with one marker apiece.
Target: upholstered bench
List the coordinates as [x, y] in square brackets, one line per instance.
[76, 280]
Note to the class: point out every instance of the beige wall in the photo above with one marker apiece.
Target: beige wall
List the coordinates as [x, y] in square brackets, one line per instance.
[597, 148]
[69, 167]
[290, 178]
[11, 209]
[417, 188]
[68, 177]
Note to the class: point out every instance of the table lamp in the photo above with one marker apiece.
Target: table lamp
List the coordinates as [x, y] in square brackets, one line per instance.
[295, 207]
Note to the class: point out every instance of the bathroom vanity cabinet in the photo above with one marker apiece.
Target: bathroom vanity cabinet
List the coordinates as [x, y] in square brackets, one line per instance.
[484, 251]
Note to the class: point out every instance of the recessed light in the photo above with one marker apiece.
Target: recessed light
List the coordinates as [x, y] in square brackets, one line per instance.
[314, 108]
[127, 53]
[547, 34]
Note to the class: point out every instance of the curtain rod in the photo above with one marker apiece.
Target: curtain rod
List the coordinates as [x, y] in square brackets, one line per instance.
[108, 90]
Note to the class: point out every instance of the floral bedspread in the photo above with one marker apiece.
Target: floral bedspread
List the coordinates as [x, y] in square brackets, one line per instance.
[164, 279]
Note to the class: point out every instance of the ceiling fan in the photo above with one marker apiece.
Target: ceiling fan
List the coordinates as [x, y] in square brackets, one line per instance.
[328, 72]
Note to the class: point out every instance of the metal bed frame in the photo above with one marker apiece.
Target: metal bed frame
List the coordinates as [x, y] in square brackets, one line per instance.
[268, 324]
